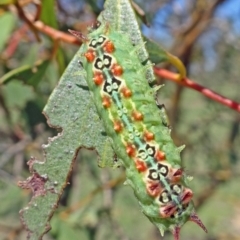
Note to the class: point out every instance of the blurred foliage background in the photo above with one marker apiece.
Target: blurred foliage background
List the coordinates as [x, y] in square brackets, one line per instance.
[204, 34]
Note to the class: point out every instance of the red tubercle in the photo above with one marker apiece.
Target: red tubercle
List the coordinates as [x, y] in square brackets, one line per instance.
[109, 47]
[178, 172]
[131, 150]
[118, 126]
[154, 188]
[137, 116]
[126, 92]
[160, 156]
[168, 210]
[106, 102]
[89, 55]
[117, 70]
[177, 175]
[140, 165]
[148, 136]
[187, 196]
[98, 78]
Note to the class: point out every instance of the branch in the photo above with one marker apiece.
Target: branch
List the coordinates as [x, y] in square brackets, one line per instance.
[205, 91]
[56, 34]
[39, 26]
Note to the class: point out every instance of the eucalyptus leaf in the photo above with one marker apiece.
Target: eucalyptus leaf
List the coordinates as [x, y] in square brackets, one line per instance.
[70, 108]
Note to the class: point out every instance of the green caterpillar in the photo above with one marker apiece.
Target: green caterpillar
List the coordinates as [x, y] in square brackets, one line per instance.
[127, 106]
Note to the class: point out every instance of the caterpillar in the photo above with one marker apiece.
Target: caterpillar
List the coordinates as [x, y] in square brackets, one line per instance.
[141, 139]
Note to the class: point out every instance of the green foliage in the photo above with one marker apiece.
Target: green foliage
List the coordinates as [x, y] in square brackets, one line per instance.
[8, 21]
[28, 74]
[48, 14]
[6, 2]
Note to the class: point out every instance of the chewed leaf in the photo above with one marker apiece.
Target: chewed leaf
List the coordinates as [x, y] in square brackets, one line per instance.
[70, 108]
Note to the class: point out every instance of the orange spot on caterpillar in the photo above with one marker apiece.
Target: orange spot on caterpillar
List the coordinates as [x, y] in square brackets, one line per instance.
[137, 116]
[106, 101]
[117, 70]
[118, 126]
[154, 189]
[131, 151]
[89, 55]
[140, 165]
[126, 92]
[109, 47]
[160, 156]
[148, 136]
[98, 78]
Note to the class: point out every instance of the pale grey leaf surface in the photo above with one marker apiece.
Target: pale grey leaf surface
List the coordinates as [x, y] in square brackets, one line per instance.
[71, 110]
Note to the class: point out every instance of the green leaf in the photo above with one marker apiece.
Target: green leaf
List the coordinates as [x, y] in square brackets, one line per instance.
[17, 95]
[94, 6]
[48, 15]
[70, 108]
[8, 21]
[60, 60]
[7, 2]
[29, 74]
[158, 55]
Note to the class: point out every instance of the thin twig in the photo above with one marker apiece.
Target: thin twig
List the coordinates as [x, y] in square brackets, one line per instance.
[205, 91]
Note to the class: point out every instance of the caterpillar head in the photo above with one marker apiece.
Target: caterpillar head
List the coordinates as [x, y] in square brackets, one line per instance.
[176, 206]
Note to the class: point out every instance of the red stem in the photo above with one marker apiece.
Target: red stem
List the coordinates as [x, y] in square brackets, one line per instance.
[190, 84]
[56, 34]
